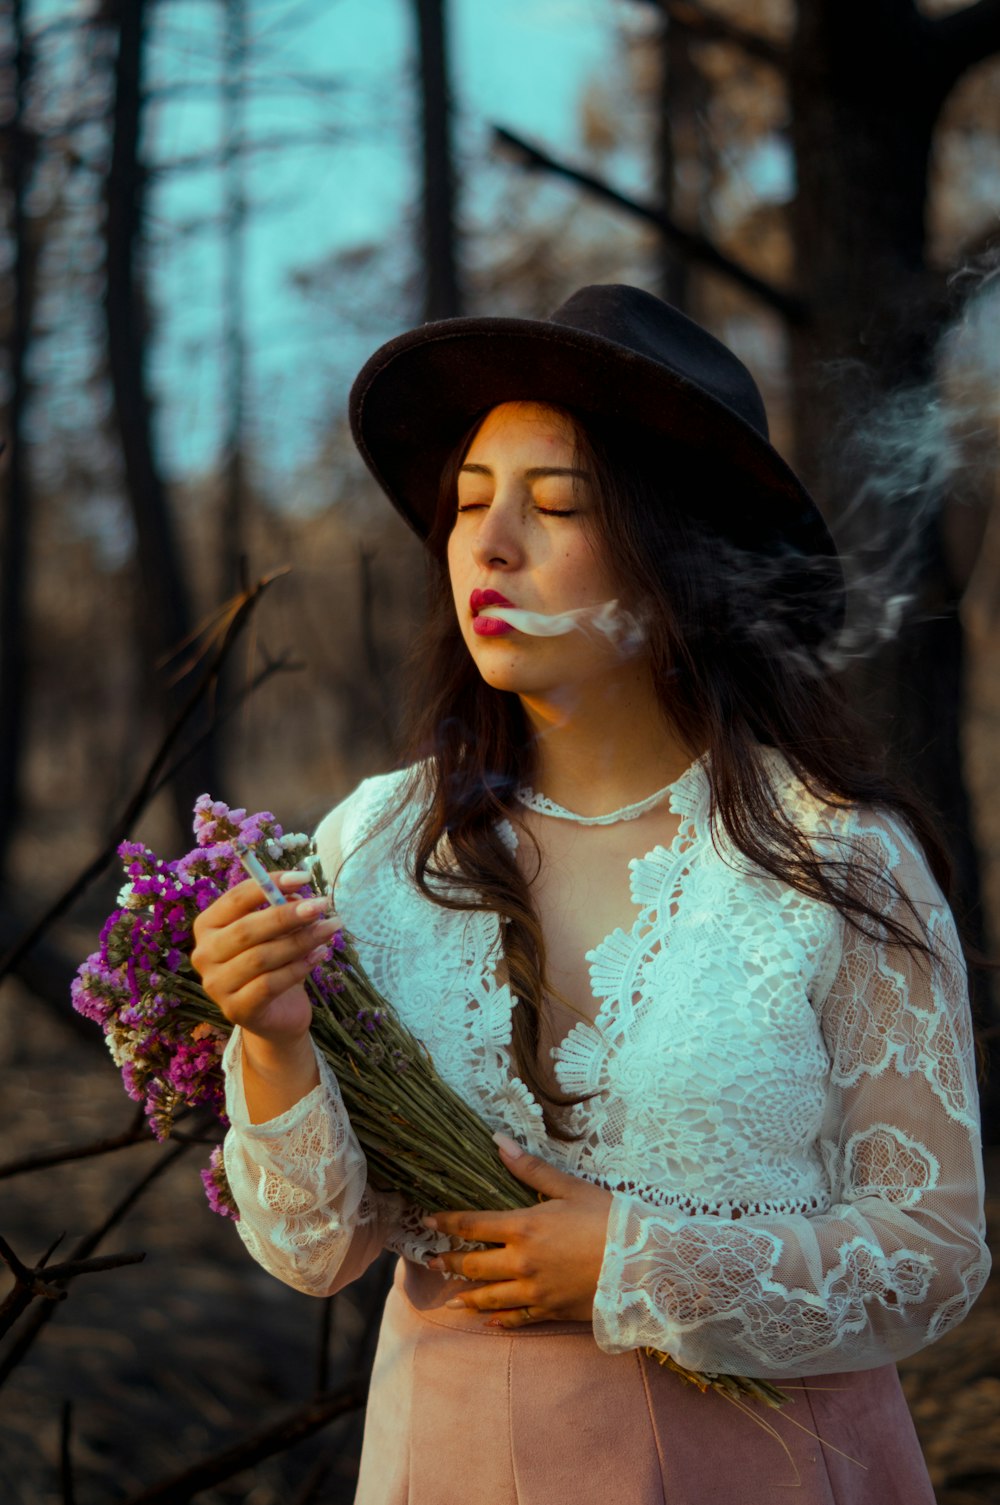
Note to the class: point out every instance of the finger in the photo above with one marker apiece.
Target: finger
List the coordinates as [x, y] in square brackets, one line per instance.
[522, 1316]
[260, 927]
[500, 1296]
[478, 1227]
[478, 1264]
[533, 1171]
[307, 945]
[248, 1004]
[243, 900]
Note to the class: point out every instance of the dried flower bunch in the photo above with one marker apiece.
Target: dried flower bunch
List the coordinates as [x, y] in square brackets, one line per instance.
[167, 1036]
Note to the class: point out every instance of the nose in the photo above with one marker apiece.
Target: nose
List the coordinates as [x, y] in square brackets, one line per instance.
[498, 541]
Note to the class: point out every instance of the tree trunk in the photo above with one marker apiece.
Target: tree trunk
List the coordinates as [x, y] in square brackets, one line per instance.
[676, 143]
[232, 523]
[863, 126]
[163, 609]
[864, 104]
[867, 89]
[16, 158]
[442, 292]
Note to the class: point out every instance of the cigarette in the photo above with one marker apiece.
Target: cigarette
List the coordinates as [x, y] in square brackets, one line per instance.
[259, 873]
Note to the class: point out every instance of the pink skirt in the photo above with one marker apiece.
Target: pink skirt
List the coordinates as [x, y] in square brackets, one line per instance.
[460, 1414]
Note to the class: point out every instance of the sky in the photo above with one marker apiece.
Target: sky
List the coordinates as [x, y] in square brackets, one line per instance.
[338, 73]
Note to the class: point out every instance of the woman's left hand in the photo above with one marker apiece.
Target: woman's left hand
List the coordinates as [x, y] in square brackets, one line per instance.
[549, 1260]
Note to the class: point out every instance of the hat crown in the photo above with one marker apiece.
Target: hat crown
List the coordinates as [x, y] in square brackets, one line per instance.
[636, 321]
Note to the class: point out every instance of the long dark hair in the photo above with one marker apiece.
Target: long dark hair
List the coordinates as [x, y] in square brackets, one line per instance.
[734, 631]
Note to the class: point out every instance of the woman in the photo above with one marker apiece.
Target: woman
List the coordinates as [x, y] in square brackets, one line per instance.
[739, 1066]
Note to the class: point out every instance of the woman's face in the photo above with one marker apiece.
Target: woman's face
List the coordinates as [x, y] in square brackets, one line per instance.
[526, 529]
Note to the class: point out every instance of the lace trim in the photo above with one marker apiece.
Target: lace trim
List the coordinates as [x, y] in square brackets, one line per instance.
[542, 805]
[713, 1207]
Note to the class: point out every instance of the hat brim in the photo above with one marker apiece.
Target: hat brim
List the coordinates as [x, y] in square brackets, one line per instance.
[418, 395]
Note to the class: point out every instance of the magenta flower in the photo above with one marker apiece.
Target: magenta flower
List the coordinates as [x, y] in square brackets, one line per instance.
[166, 1037]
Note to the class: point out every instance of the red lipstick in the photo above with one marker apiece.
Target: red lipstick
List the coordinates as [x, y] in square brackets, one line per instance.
[486, 626]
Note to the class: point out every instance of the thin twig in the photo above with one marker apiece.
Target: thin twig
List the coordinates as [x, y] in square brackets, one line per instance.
[705, 24]
[29, 1284]
[48, 1158]
[66, 1454]
[323, 1337]
[281, 665]
[698, 248]
[138, 1132]
[152, 779]
[313, 1483]
[94, 1266]
[217, 1467]
[83, 1250]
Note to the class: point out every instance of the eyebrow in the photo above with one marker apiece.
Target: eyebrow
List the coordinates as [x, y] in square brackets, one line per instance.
[534, 474]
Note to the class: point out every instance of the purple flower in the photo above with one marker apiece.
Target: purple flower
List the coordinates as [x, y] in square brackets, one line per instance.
[217, 1189]
[138, 984]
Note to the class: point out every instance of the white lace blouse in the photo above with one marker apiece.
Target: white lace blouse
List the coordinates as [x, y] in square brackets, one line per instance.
[785, 1111]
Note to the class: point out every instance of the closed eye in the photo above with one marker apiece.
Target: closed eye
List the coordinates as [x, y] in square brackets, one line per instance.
[545, 511]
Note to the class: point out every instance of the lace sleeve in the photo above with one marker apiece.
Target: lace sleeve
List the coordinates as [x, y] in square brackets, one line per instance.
[900, 1256]
[299, 1180]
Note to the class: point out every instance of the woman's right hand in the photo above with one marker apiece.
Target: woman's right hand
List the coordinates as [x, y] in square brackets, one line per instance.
[253, 963]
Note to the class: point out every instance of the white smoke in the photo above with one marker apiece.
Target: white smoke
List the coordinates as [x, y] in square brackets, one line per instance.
[916, 450]
[609, 620]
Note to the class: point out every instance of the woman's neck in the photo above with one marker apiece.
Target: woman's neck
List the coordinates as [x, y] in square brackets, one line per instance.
[612, 747]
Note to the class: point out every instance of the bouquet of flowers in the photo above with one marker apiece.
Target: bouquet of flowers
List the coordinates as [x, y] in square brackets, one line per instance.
[167, 1036]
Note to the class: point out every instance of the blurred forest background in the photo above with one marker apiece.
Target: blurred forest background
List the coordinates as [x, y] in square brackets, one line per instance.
[818, 182]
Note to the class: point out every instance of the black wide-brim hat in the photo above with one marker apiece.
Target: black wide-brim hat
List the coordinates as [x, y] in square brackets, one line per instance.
[610, 353]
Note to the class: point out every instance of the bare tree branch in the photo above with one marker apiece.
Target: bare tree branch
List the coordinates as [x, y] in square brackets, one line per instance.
[310, 1418]
[46, 971]
[697, 247]
[965, 37]
[323, 1335]
[704, 24]
[29, 1282]
[313, 1483]
[235, 617]
[138, 1132]
[48, 1158]
[82, 1250]
[66, 1454]
[215, 157]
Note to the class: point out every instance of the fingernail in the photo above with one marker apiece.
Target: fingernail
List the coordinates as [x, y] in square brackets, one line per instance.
[507, 1145]
[315, 957]
[311, 908]
[435, 1263]
[291, 880]
[430, 1223]
[456, 1304]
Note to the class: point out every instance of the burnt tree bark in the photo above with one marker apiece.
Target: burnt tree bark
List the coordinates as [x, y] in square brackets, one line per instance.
[163, 610]
[867, 83]
[678, 101]
[17, 148]
[442, 294]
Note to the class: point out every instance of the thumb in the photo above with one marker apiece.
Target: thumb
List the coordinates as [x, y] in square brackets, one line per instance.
[531, 1170]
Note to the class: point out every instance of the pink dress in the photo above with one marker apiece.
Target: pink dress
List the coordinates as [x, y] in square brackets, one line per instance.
[785, 1112]
[540, 1416]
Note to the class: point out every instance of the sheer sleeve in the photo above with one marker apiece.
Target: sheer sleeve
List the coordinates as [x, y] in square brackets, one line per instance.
[307, 1214]
[900, 1256]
